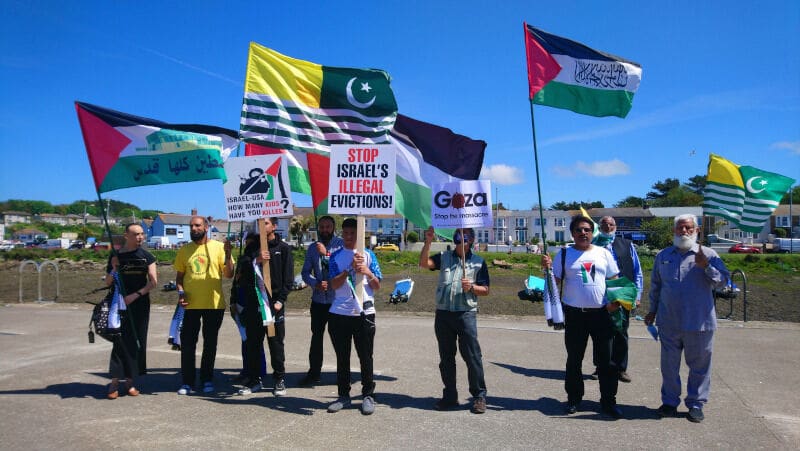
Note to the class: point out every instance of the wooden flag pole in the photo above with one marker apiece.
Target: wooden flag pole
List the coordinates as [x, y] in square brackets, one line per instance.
[360, 236]
[262, 230]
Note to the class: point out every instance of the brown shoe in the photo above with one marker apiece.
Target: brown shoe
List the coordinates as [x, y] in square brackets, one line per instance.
[113, 394]
[479, 406]
[623, 377]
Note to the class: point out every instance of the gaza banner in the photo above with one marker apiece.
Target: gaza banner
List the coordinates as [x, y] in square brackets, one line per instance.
[467, 203]
[362, 179]
[257, 187]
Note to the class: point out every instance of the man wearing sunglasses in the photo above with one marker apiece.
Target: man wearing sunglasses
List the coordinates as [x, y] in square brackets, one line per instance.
[463, 276]
[581, 271]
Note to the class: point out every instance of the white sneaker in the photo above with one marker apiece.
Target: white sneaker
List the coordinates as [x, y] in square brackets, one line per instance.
[184, 390]
[250, 389]
[208, 387]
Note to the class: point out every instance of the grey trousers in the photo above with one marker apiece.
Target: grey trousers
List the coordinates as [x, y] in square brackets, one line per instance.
[696, 346]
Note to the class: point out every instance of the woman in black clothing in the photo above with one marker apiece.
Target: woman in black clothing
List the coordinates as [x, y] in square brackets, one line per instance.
[137, 273]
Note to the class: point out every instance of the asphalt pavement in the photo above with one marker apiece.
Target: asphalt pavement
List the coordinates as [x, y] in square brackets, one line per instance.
[53, 386]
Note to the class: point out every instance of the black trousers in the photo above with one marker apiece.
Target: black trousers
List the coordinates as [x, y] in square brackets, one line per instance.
[360, 330]
[579, 326]
[459, 328]
[123, 363]
[211, 320]
[319, 319]
[254, 345]
[619, 344]
[140, 312]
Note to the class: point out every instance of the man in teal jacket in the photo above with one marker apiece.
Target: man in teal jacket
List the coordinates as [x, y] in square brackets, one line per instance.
[463, 277]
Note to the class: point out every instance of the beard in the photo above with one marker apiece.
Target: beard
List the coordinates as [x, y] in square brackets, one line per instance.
[684, 242]
[197, 236]
[325, 237]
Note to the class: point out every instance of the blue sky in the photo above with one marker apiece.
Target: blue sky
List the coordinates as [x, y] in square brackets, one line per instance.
[718, 77]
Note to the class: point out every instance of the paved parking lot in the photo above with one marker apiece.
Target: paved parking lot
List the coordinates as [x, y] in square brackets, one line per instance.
[52, 392]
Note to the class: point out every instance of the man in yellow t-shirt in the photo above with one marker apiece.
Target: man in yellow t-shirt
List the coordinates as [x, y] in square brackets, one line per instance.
[200, 266]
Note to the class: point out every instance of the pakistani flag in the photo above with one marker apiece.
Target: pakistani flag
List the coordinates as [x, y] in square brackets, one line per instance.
[126, 150]
[298, 108]
[566, 74]
[743, 195]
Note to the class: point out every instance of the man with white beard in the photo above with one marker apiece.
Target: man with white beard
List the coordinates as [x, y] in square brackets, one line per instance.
[681, 297]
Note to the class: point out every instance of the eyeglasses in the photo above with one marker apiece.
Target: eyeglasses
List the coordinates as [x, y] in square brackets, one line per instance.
[584, 230]
[458, 239]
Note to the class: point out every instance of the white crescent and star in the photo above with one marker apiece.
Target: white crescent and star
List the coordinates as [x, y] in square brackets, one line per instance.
[350, 98]
[752, 180]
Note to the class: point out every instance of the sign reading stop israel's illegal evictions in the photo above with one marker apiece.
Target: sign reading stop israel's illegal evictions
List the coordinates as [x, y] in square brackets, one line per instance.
[362, 179]
[257, 187]
[467, 203]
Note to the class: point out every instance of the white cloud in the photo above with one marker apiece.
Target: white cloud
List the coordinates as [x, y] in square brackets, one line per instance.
[502, 174]
[791, 146]
[597, 169]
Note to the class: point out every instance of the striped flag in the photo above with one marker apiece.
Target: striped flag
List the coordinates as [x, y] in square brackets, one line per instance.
[566, 74]
[743, 195]
[126, 150]
[299, 108]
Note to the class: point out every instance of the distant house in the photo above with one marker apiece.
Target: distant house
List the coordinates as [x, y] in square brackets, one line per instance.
[27, 235]
[15, 217]
[174, 227]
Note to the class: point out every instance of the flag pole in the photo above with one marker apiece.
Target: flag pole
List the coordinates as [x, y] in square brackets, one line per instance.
[538, 183]
[118, 279]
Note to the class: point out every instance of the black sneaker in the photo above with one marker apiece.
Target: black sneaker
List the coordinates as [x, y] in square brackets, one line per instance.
[624, 377]
[251, 387]
[695, 415]
[444, 404]
[612, 411]
[667, 411]
[280, 388]
[309, 381]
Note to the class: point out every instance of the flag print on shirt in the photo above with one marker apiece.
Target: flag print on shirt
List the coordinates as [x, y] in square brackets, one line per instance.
[588, 272]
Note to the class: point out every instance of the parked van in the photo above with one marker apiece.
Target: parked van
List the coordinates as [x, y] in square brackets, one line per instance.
[786, 245]
[61, 243]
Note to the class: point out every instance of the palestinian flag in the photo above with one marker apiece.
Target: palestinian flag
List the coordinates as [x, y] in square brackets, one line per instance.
[428, 155]
[743, 195]
[126, 150]
[566, 74]
[298, 108]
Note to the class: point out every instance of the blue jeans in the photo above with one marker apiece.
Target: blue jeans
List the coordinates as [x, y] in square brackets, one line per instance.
[461, 328]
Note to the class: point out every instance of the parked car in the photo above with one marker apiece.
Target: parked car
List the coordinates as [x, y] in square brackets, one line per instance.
[386, 247]
[741, 248]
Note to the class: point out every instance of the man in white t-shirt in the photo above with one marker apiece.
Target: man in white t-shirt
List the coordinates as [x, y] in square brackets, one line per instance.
[350, 322]
[582, 270]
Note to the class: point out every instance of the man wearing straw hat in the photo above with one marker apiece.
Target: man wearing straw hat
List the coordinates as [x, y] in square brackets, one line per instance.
[463, 276]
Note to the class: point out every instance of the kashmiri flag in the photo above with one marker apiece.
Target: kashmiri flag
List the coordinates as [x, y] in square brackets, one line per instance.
[298, 108]
[126, 150]
[743, 195]
[566, 74]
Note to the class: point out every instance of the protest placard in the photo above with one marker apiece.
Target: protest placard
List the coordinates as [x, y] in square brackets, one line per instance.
[467, 203]
[257, 187]
[362, 179]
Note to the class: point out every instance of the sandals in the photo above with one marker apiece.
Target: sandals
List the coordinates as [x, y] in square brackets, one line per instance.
[132, 391]
[113, 390]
